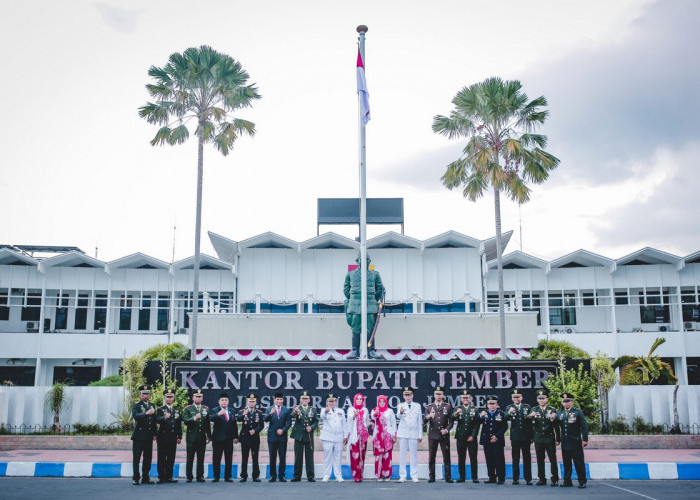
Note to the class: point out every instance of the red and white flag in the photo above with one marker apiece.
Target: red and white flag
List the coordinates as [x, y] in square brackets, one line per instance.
[362, 89]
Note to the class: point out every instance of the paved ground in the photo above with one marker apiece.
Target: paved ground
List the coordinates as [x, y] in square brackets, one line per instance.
[107, 489]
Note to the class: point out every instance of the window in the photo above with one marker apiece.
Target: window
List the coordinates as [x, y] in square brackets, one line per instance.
[621, 299]
[32, 311]
[81, 312]
[125, 312]
[145, 313]
[693, 370]
[562, 310]
[61, 322]
[689, 301]
[398, 308]
[654, 311]
[100, 312]
[589, 299]
[163, 312]
[18, 375]
[4, 308]
[430, 307]
[76, 375]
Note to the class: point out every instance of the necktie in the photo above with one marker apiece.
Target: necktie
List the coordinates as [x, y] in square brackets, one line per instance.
[278, 412]
[409, 406]
[226, 415]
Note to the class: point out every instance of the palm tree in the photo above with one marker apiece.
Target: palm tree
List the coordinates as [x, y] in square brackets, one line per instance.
[502, 152]
[57, 399]
[203, 87]
[638, 370]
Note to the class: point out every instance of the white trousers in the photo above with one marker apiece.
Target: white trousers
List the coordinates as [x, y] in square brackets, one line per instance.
[332, 451]
[408, 445]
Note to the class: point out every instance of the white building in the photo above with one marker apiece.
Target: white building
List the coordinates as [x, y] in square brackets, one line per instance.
[73, 315]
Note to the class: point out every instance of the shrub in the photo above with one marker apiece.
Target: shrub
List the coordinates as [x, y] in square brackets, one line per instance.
[554, 349]
[111, 381]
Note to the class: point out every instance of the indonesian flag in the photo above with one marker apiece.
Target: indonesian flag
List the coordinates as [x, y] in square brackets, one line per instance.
[362, 89]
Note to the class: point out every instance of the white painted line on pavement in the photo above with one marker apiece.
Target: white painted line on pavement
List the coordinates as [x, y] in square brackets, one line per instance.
[629, 491]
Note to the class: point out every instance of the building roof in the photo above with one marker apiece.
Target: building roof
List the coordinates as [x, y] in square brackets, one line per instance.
[71, 259]
[393, 240]
[452, 239]
[489, 246]
[330, 240]
[137, 261]
[649, 256]
[269, 240]
[9, 257]
[205, 262]
[582, 258]
[519, 260]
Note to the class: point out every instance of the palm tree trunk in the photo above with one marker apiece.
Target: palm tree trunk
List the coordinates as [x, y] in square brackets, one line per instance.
[676, 429]
[197, 255]
[499, 261]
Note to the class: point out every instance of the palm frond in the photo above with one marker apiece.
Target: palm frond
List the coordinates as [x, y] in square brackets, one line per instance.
[657, 342]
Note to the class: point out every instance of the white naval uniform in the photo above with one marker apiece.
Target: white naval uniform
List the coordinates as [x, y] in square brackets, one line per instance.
[332, 434]
[409, 432]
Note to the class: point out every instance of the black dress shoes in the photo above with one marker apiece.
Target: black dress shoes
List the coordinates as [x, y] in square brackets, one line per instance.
[200, 480]
[256, 480]
[490, 481]
[296, 480]
[189, 480]
[529, 483]
[500, 482]
[272, 480]
[516, 481]
[312, 480]
[228, 480]
[243, 479]
[431, 480]
[215, 480]
[135, 482]
[147, 481]
[282, 480]
[541, 483]
[449, 481]
[555, 483]
[460, 480]
[475, 480]
[582, 485]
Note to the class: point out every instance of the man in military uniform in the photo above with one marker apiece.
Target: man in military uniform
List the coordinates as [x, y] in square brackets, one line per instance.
[520, 436]
[305, 423]
[438, 416]
[196, 417]
[169, 436]
[574, 438]
[144, 414]
[253, 424]
[545, 435]
[280, 418]
[466, 436]
[493, 428]
[353, 306]
[223, 436]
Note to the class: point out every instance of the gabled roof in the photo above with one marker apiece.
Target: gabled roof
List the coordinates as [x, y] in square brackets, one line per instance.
[205, 262]
[71, 259]
[393, 240]
[489, 245]
[137, 261]
[224, 247]
[11, 258]
[648, 256]
[269, 240]
[519, 260]
[452, 239]
[582, 258]
[330, 240]
[693, 258]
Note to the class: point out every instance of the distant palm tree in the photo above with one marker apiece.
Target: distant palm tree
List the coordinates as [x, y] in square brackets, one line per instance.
[502, 152]
[204, 87]
[639, 370]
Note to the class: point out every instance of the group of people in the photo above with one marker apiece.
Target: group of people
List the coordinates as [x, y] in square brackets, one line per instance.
[541, 424]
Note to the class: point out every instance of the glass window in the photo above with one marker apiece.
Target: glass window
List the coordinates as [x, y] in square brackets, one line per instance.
[4, 307]
[125, 312]
[621, 298]
[100, 312]
[562, 310]
[405, 307]
[32, 311]
[691, 309]
[430, 307]
[76, 375]
[61, 322]
[145, 313]
[163, 312]
[81, 312]
[693, 370]
[654, 311]
[589, 299]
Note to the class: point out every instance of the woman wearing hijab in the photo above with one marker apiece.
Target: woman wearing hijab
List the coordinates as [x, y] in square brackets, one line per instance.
[358, 434]
[384, 438]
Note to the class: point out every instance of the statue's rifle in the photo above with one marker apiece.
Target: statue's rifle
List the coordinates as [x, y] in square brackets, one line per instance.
[376, 323]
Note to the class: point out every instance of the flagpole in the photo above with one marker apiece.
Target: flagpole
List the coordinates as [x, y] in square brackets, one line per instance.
[362, 29]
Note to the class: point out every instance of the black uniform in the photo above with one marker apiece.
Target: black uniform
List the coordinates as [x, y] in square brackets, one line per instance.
[574, 430]
[142, 437]
[520, 439]
[250, 444]
[169, 432]
[468, 423]
[494, 424]
[225, 431]
[441, 420]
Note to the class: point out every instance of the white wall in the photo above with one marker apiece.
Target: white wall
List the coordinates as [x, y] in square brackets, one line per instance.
[655, 403]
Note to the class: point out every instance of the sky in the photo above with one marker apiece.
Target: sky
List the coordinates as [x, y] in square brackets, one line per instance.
[621, 79]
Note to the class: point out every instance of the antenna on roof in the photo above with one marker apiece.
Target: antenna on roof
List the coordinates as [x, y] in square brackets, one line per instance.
[174, 229]
[520, 218]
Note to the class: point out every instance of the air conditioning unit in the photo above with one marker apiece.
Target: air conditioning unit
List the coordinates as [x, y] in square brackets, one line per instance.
[183, 330]
[691, 326]
[663, 328]
[555, 330]
[101, 330]
[568, 329]
[32, 327]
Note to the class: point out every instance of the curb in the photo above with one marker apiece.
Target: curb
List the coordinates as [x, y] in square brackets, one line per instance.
[594, 470]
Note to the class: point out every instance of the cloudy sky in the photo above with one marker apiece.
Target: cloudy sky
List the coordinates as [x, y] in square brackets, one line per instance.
[621, 77]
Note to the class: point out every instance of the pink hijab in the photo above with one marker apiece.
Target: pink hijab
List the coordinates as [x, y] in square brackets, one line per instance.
[381, 408]
[355, 404]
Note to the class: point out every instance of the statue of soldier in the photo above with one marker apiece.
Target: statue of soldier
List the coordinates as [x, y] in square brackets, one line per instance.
[353, 305]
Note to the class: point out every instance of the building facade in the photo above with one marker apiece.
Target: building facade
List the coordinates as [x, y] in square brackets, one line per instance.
[65, 314]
